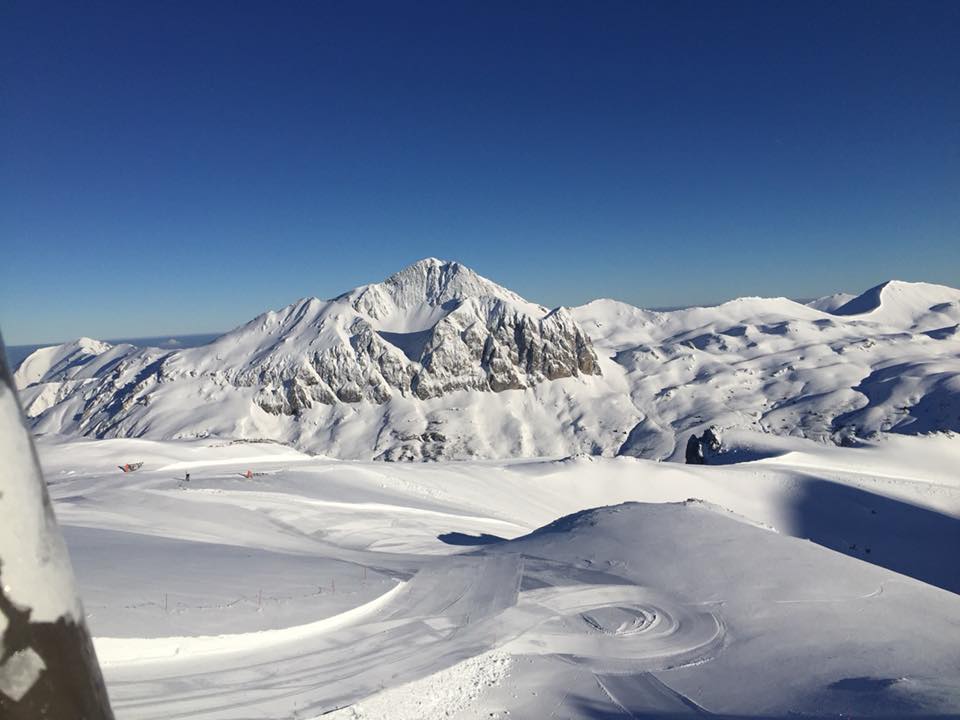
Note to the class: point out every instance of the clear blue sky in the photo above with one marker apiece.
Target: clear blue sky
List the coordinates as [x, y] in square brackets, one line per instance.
[175, 167]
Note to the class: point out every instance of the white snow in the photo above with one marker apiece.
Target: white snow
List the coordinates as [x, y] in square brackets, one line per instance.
[435, 697]
[385, 590]
[887, 361]
[57, 359]
[829, 303]
[133, 651]
[557, 569]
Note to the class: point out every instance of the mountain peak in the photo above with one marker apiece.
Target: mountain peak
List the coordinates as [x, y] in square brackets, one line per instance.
[430, 262]
[432, 274]
[417, 296]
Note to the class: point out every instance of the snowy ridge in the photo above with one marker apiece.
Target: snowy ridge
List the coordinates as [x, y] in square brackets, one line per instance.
[829, 303]
[437, 361]
[918, 306]
[57, 359]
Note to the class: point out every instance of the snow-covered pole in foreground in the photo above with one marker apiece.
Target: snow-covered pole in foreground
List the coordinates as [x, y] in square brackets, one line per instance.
[48, 668]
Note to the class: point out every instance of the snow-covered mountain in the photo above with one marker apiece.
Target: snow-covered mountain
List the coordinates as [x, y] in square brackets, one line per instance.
[306, 372]
[437, 361]
[887, 360]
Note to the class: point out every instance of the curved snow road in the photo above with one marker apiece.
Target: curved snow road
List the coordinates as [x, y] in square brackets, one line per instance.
[452, 609]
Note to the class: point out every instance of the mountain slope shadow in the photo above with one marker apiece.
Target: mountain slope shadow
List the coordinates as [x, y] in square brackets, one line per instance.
[459, 538]
[893, 534]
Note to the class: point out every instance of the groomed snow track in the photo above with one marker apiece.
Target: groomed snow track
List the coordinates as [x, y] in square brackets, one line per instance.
[451, 610]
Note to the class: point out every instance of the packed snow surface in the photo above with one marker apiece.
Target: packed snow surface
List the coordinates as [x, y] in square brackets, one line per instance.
[439, 362]
[805, 580]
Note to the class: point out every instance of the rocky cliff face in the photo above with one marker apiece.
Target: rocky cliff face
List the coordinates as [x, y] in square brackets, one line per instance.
[430, 330]
[371, 344]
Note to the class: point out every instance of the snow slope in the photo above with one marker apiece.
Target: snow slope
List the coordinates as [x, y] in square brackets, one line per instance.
[452, 590]
[829, 303]
[439, 362]
[776, 366]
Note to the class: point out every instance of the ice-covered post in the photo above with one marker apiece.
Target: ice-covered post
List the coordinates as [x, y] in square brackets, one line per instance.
[48, 668]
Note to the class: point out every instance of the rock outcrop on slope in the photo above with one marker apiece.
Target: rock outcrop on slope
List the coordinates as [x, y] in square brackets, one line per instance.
[701, 448]
[432, 329]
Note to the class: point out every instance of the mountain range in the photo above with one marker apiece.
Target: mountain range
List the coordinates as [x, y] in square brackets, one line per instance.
[439, 362]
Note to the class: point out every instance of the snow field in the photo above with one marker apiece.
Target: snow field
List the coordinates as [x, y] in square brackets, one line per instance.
[460, 594]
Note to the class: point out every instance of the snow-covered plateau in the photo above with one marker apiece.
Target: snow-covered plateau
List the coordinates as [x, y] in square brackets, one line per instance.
[559, 559]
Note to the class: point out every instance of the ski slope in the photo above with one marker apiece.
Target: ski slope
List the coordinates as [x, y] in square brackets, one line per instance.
[372, 590]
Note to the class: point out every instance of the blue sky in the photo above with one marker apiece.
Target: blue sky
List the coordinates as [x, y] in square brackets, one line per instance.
[179, 167]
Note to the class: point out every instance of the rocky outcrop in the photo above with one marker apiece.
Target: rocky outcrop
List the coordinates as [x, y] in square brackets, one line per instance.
[432, 329]
[699, 450]
[493, 341]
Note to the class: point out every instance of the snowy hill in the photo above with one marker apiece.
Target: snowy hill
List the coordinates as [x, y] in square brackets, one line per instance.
[437, 361]
[57, 360]
[917, 306]
[344, 590]
[885, 361]
[829, 303]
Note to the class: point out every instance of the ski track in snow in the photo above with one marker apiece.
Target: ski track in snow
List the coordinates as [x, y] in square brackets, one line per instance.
[474, 610]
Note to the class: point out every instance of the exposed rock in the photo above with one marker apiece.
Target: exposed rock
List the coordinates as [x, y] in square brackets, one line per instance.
[700, 449]
[430, 330]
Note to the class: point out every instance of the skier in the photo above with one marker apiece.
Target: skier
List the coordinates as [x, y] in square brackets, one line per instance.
[187, 477]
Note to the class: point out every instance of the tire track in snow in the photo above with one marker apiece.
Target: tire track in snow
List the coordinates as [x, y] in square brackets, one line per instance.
[647, 694]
